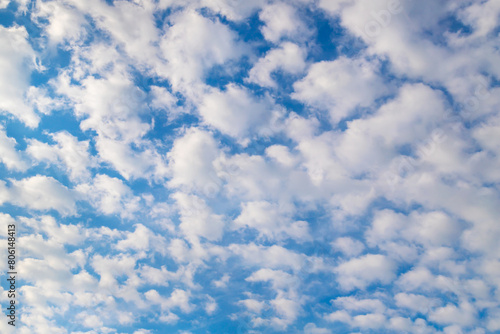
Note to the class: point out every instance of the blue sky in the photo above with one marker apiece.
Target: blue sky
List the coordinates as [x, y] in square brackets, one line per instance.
[223, 166]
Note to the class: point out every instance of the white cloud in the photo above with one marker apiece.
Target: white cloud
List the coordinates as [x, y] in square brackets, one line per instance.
[289, 310]
[235, 111]
[16, 60]
[317, 153]
[9, 156]
[222, 282]
[348, 246]
[110, 196]
[142, 162]
[463, 315]
[142, 239]
[279, 280]
[40, 193]
[281, 21]
[471, 203]
[340, 316]
[386, 226]
[40, 99]
[253, 305]
[190, 50]
[194, 254]
[364, 321]
[142, 331]
[163, 100]
[399, 32]
[433, 228]
[360, 305]
[197, 218]
[252, 178]
[383, 26]
[110, 268]
[281, 154]
[111, 105]
[331, 6]
[483, 17]
[177, 299]
[274, 257]
[4, 3]
[49, 272]
[400, 324]
[90, 320]
[340, 86]
[68, 153]
[56, 230]
[311, 328]
[493, 322]
[365, 270]
[377, 138]
[421, 279]
[37, 323]
[233, 10]
[488, 136]
[130, 24]
[191, 162]
[416, 278]
[271, 221]
[162, 276]
[98, 59]
[369, 321]
[65, 23]
[289, 58]
[417, 303]
[211, 306]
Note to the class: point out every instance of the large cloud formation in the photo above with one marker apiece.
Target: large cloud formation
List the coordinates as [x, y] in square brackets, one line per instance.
[223, 166]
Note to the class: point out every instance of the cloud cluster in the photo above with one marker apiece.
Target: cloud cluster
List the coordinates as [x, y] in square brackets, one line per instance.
[216, 166]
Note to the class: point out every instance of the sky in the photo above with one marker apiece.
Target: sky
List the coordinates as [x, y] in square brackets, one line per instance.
[264, 166]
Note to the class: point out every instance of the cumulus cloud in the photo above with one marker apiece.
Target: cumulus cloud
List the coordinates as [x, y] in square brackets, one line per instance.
[178, 299]
[365, 270]
[9, 156]
[116, 20]
[289, 58]
[191, 162]
[110, 195]
[379, 137]
[68, 153]
[271, 221]
[271, 257]
[17, 60]
[110, 268]
[142, 239]
[311, 328]
[111, 105]
[236, 112]
[190, 50]
[417, 303]
[197, 219]
[482, 17]
[65, 23]
[340, 86]
[348, 246]
[281, 21]
[40, 193]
